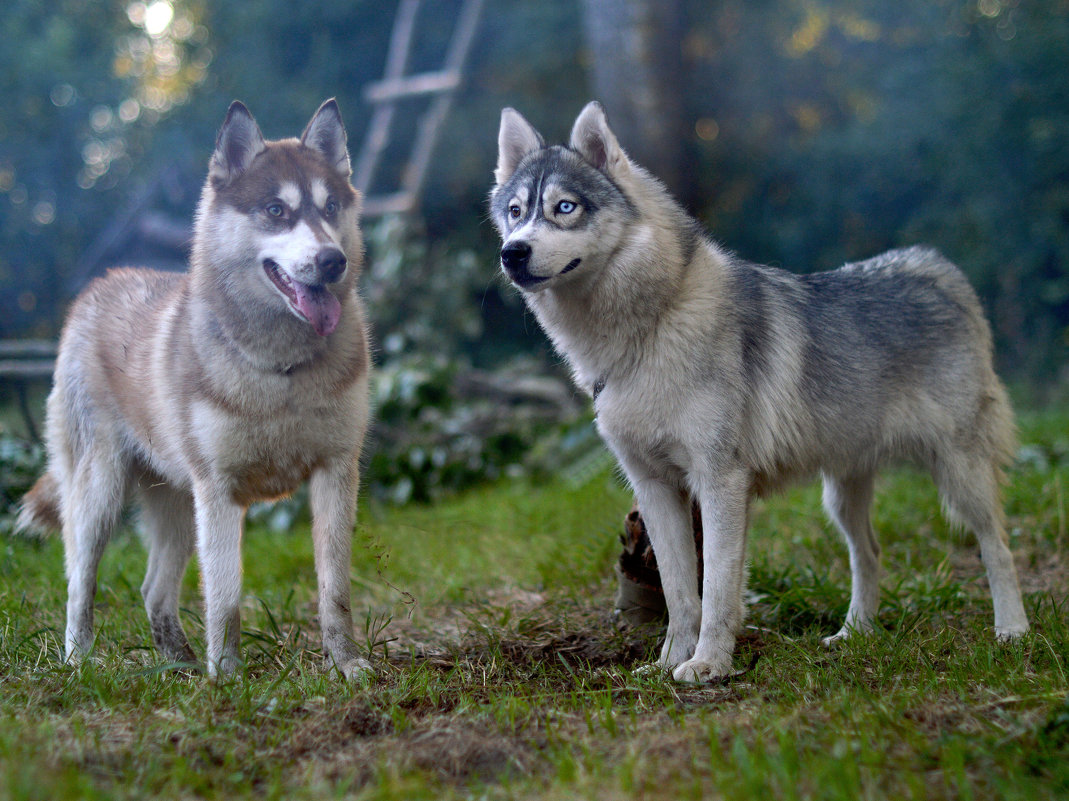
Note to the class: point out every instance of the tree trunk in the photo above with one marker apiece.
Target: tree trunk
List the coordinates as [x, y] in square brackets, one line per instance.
[637, 70]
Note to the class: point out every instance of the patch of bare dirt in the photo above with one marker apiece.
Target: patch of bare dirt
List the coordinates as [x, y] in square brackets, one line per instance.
[359, 743]
[1045, 573]
[525, 627]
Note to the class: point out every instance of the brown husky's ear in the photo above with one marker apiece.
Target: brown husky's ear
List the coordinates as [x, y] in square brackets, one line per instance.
[238, 143]
[326, 134]
[515, 139]
[594, 140]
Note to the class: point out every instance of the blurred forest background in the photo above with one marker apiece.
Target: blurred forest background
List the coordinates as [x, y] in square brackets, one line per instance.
[803, 133]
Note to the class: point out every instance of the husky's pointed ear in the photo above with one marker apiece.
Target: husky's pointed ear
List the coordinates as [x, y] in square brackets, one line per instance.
[326, 134]
[238, 143]
[515, 139]
[594, 140]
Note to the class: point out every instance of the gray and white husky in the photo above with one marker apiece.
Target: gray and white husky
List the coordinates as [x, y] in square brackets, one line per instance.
[720, 380]
[201, 393]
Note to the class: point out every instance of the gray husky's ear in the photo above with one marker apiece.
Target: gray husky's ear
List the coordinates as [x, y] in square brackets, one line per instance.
[238, 143]
[594, 140]
[515, 139]
[326, 134]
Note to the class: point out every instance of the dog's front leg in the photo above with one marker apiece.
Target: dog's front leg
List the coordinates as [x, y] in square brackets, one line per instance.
[333, 499]
[220, 522]
[724, 499]
[667, 515]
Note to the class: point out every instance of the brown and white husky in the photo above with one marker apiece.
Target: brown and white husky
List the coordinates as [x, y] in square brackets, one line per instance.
[197, 394]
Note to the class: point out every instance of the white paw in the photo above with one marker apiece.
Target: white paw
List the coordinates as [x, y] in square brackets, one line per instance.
[699, 671]
[651, 670]
[79, 658]
[848, 630]
[1010, 633]
[835, 639]
[357, 670]
[223, 668]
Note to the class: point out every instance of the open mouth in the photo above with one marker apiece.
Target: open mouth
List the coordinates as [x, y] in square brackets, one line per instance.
[313, 303]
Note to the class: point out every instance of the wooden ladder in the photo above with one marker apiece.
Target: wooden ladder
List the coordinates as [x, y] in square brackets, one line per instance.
[394, 86]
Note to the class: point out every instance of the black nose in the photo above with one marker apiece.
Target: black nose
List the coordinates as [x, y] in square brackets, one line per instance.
[330, 262]
[515, 257]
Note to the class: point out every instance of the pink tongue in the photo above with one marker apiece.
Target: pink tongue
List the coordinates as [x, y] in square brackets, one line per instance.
[319, 306]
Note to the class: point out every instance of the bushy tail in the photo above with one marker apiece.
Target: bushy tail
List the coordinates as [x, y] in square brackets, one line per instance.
[996, 427]
[39, 509]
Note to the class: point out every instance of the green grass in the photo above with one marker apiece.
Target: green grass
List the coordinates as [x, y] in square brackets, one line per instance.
[502, 676]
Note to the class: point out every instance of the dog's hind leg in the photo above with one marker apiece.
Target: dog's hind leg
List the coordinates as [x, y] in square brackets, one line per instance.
[332, 492]
[848, 502]
[95, 491]
[969, 485]
[167, 528]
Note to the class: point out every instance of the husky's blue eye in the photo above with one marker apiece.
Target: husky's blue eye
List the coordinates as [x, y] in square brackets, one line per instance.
[565, 207]
[275, 209]
[331, 208]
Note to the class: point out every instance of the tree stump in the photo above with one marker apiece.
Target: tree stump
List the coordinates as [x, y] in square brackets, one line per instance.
[639, 594]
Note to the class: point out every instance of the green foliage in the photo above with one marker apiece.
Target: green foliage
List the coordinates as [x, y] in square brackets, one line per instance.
[435, 432]
[423, 297]
[84, 87]
[841, 129]
[423, 443]
[21, 463]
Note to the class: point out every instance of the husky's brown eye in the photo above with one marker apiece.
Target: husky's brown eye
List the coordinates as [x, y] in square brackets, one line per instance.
[514, 211]
[275, 209]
